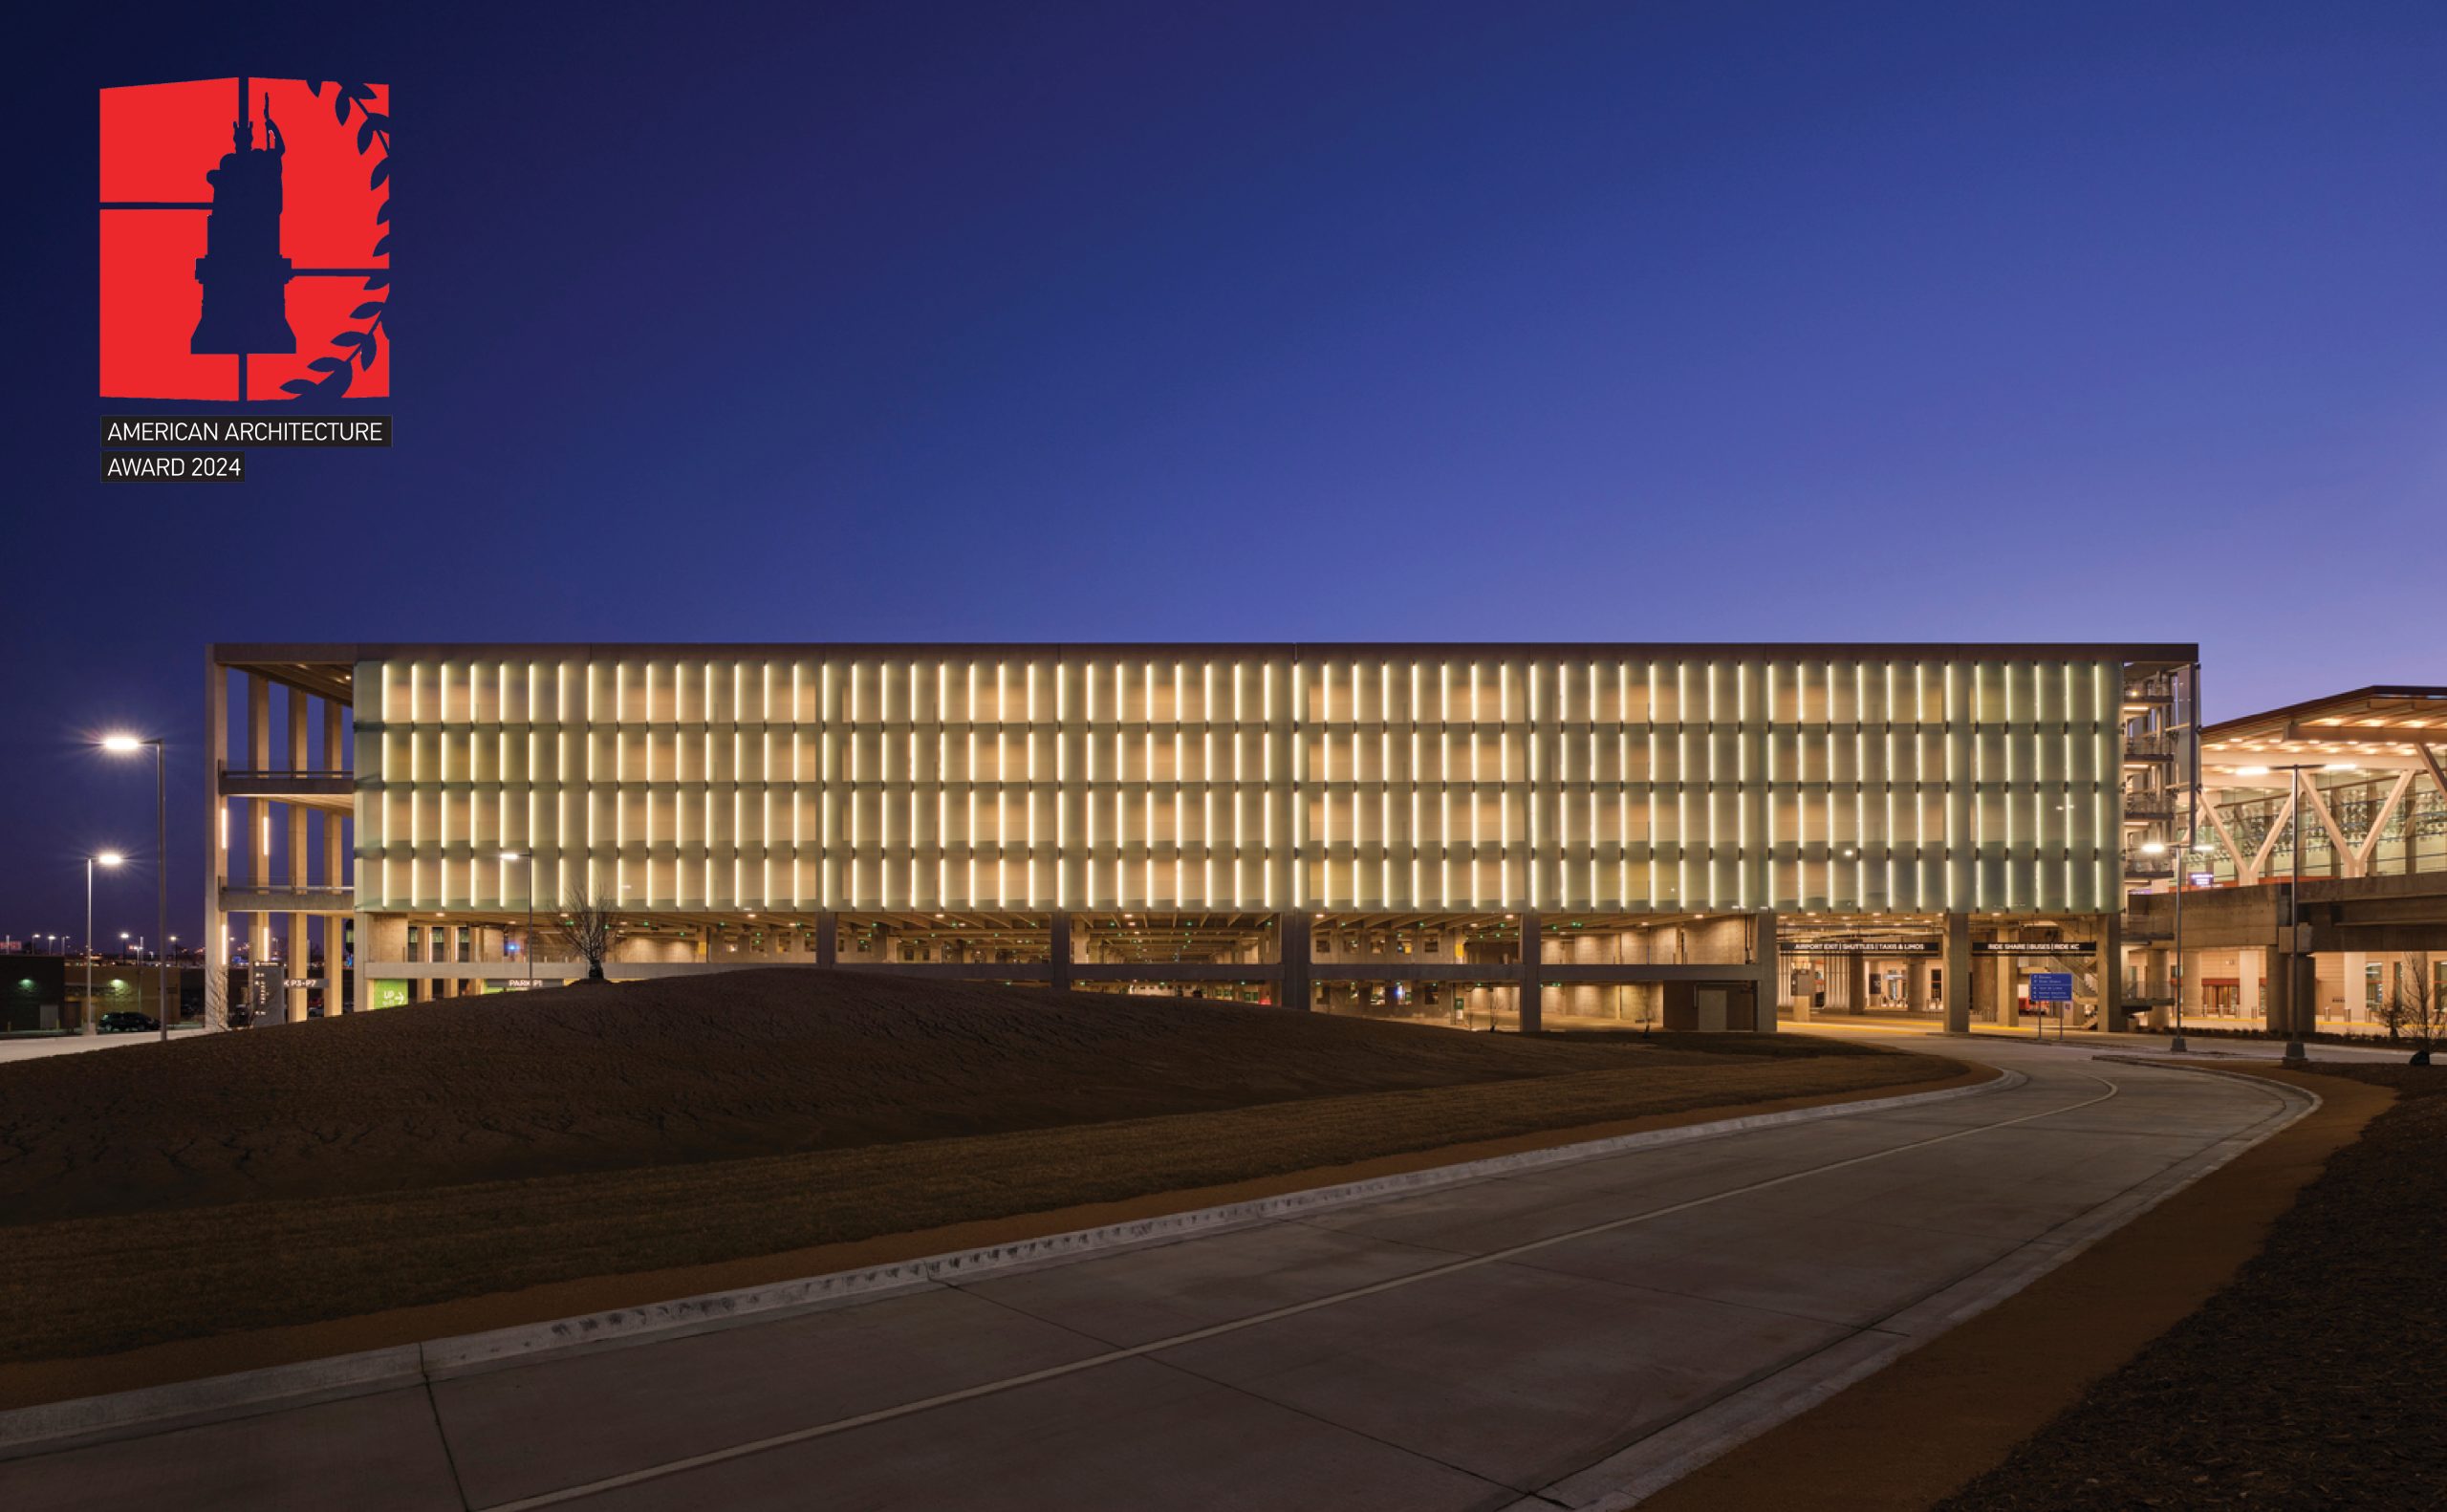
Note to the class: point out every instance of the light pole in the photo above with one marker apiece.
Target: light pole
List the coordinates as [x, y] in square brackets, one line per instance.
[2294, 1014]
[2300, 1010]
[106, 859]
[128, 746]
[527, 947]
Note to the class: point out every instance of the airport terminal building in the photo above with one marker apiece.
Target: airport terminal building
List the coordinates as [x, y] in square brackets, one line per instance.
[1503, 835]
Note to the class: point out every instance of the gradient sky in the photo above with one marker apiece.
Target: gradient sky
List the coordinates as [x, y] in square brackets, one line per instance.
[1251, 321]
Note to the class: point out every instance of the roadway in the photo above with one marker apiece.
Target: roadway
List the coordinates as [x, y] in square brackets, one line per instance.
[1559, 1333]
[42, 1046]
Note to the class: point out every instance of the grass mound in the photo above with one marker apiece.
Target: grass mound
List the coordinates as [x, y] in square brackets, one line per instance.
[681, 1069]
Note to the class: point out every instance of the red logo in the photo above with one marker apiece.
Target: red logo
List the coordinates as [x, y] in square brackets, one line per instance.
[246, 240]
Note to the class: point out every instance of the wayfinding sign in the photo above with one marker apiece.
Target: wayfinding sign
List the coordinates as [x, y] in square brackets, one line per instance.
[2051, 986]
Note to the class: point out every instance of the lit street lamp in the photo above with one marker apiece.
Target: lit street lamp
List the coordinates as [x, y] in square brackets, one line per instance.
[106, 859]
[129, 745]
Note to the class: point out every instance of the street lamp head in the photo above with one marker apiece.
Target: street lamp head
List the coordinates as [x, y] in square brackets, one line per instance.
[110, 858]
[122, 745]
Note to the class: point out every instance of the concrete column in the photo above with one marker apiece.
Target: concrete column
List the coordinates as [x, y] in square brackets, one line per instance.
[362, 986]
[1918, 969]
[216, 848]
[2108, 965]
[258, 821]
[2283, 990]
[1766, 968]
[1061, 950]
[1532, 976]
[1804, 1009]
[1297, 944]
[2164, 977]
[301, 856]
[1856, 983]
[336, 870]
[2251, 969]
[1957, 980]
[828, 938]
[2005, 979]
[2356, 1009]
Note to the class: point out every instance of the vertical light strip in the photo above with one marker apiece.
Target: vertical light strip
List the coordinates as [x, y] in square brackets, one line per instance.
[1415, 897]
[1622, 785]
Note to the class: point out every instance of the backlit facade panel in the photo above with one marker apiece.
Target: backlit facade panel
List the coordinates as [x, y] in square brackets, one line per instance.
[1206, 778]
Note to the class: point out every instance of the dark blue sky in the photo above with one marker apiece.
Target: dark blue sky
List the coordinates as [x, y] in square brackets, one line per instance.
[1637, 321]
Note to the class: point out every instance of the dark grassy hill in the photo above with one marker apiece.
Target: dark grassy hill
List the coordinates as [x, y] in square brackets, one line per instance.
[692, 1069]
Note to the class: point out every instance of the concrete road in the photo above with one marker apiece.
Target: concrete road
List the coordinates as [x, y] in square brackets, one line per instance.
[40, 1047]
[1561, 1333]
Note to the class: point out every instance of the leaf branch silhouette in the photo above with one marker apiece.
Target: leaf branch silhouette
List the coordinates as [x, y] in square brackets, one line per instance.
[364, 344]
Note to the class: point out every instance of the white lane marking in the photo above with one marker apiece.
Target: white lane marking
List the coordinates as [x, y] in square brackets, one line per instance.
[800, 1435]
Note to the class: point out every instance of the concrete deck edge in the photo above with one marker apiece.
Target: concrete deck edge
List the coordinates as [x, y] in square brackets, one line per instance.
[52, 1426]
[1624, 1480]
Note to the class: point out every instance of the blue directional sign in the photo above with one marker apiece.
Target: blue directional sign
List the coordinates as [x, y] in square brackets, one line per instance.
[2051, 986]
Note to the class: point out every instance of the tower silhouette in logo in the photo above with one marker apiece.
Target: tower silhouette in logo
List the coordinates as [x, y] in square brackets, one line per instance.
[245, 277]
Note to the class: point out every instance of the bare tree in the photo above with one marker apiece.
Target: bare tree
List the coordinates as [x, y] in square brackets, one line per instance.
[2416, 1010]
[586, 927]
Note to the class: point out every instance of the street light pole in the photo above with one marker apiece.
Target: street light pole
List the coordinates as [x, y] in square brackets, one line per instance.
[2294, 994]
[91, 1023]
[128, 746]
[162, 881]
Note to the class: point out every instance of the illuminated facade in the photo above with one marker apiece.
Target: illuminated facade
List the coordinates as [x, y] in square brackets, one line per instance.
[1045, 809]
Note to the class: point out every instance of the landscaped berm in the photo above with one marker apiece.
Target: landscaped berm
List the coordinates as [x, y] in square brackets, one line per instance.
[599, 1146]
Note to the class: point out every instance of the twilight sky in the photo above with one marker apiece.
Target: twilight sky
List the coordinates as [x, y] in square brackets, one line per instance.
[1643, 321]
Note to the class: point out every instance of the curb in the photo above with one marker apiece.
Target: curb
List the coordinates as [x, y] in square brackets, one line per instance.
[53, 1426]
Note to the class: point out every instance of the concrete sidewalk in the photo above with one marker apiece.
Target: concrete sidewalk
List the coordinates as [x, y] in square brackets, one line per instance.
[1561, 1333]
[2150, 1041]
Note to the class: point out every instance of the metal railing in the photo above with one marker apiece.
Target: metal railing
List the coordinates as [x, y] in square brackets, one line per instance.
[284, 890]
[260, 773]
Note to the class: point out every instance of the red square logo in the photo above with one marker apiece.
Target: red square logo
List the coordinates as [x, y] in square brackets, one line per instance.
[246, 240]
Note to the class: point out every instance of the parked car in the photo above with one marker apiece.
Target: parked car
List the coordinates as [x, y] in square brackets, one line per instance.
[125, 1020]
